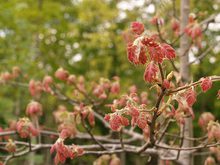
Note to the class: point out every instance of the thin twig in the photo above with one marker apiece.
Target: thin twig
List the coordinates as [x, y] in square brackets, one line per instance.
[163, 132]
[159, 33]
[213, 78]
[181, 141]
[187, 148]
[121, 138]
[202, 55]
[161, 72]
[90, 133]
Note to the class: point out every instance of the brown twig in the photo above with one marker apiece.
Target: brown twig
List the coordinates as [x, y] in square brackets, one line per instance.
[159, 33]
[213, 78]
[187, 148]
[90, 133]
[202, 55]
[121, 138]
[163, 132]
[181, 141]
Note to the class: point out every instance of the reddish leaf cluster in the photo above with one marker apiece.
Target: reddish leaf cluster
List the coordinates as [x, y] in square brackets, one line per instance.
[25, 128]
[194, 30]
[185, 100]
[157, 21]
[7, 76]
[213, 130]
[210, 161]
[142, 46]
[105, 86]
[136, 55]
[3, 137]
[62, 74]
[206, 84]
[67, 123]
[12, 127]
[204, 119]
[37, 87]
[133, 106]
[190, 97]
[137, 27]
[47, 82]
[82, 112]
[216, 152]
[107, 159]
[150, 72]
[63, 151]
[116, 121]
[34, 108]
[175, 24]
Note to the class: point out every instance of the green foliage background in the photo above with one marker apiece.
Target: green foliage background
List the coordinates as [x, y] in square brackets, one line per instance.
[85, 37]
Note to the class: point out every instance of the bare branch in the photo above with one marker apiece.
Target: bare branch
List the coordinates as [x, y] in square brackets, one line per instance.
[202, 55]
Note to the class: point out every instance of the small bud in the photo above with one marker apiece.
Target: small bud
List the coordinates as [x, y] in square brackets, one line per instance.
[192, 17]
[115, 87]
[206, 84]
[137, 27]
[35, 88]
[71, 79]
[91, 119]
[115, 160]
[62, 74]
[166, 84]
[47, 81]
[210, 161]
[107, 117]
[10, 146]
[6, 76]
[170, 76]
[133, 89]
[218, 94]
[16, 71]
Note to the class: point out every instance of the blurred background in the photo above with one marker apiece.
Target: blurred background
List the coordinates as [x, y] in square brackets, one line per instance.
[86, 37]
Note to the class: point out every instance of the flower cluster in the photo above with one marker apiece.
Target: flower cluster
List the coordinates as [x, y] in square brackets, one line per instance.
[25, 128]
[63, 151]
